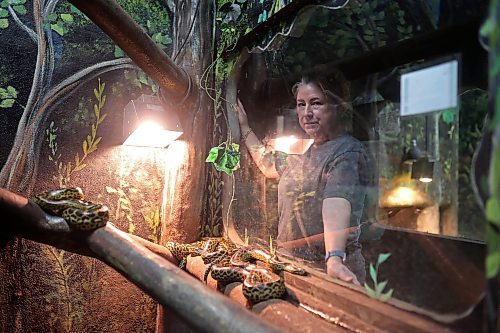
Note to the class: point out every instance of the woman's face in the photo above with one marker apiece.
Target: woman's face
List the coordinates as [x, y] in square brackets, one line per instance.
[316, 115]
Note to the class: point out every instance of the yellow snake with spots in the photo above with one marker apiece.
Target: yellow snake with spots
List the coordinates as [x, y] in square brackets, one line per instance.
[68, 203]
[257, 269]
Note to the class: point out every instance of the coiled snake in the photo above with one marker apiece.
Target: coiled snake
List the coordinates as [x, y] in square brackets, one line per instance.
[258, 270]
[69, 204]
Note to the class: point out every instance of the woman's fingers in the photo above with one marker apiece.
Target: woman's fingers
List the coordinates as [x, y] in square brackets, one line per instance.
[242, 115]
[341, 272]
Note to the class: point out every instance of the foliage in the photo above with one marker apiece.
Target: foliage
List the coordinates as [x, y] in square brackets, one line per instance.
[473, 107]
[153, 220]
[492, 209]
[378, 287]
[17, 6]
[7, 97]
[154, 19]
[358, 27]
[124, 205]
[89, 145]
[66, 20]
[225, 157]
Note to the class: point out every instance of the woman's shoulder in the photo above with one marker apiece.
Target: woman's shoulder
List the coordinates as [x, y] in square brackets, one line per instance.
[347, 143]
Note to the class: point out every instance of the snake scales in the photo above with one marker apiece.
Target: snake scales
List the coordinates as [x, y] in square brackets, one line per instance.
[69, 204]
[258, 270]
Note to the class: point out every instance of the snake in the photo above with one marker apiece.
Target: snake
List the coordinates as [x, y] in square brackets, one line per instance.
[257, 270]
[69, 204]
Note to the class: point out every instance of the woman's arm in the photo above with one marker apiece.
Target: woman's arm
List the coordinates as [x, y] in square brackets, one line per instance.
[257, 150]
[336, 220]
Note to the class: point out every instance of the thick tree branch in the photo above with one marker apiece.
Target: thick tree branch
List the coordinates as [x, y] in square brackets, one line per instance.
[142, 262]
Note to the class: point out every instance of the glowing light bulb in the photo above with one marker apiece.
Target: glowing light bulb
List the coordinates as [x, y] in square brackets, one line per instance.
[151, 134]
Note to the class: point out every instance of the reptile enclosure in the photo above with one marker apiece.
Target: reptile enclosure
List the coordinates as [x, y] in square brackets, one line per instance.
[62, 108]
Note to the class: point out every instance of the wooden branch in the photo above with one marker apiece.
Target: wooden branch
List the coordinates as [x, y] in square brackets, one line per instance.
[136, 43]
[201, 307]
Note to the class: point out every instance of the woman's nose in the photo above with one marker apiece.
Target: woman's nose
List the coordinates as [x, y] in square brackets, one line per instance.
[309, 110]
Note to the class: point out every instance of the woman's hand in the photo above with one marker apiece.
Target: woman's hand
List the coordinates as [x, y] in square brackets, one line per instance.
[242, 116]
[335, 268]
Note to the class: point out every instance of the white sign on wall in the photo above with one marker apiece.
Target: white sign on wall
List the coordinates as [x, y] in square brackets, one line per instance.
[430, 89]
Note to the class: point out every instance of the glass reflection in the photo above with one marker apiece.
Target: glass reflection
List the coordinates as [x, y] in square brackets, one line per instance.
[379, 204]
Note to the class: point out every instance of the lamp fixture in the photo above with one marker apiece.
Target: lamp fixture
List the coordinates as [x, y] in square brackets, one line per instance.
[147, 123]
[289, 137]
[412, 154]
[423, 170]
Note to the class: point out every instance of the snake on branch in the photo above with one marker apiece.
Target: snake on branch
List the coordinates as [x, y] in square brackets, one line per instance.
[69, 204]
[258, 270]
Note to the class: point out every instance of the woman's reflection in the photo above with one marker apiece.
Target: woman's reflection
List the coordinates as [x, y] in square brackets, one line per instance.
[321, 194]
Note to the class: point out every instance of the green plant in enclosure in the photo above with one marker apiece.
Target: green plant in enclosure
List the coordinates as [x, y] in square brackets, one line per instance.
[377, 292]
[225, 157]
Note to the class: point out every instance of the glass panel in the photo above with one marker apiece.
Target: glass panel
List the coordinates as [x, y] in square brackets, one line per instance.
[365, 179]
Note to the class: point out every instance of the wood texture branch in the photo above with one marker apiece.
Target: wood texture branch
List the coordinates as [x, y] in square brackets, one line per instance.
[140, 261]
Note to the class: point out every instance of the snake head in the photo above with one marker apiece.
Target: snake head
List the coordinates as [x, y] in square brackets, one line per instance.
[294, 269]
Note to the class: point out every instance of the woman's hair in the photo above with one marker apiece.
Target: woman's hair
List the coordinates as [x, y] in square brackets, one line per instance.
[335, 88]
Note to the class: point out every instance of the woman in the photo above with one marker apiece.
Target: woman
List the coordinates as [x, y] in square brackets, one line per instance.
[321, 193]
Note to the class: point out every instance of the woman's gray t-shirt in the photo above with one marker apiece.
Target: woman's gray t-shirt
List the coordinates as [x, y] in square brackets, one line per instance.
[338, 168]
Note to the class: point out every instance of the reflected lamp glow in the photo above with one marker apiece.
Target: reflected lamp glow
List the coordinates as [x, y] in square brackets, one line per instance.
[289, 136]
[147, 123]
[403, 193]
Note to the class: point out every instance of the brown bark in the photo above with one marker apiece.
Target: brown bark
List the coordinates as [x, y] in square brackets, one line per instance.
[204, 309]
[136, 43]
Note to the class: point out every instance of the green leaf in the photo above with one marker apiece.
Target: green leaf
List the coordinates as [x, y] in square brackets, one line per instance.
[213, 154]
[52, 17]
[165, 40]
[492, 265]
[109, 189]
[20, 9]
[3, 13]
[12, 91]
[373, 273]
[486, 28]
[67, 18]
[493, 211]
[118, 52]
[156, 37]
[386, 296]
[4, 23]
[4, 93]
[57, 28]
[7, 103]
[370, 291]
[84, 147]
[380, 287]
[382, 257]
[448, 116]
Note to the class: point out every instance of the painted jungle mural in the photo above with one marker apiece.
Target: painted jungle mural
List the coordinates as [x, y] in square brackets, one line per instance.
[63, 88]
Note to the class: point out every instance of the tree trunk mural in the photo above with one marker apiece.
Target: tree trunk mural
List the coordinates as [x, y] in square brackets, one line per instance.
[178, 191]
